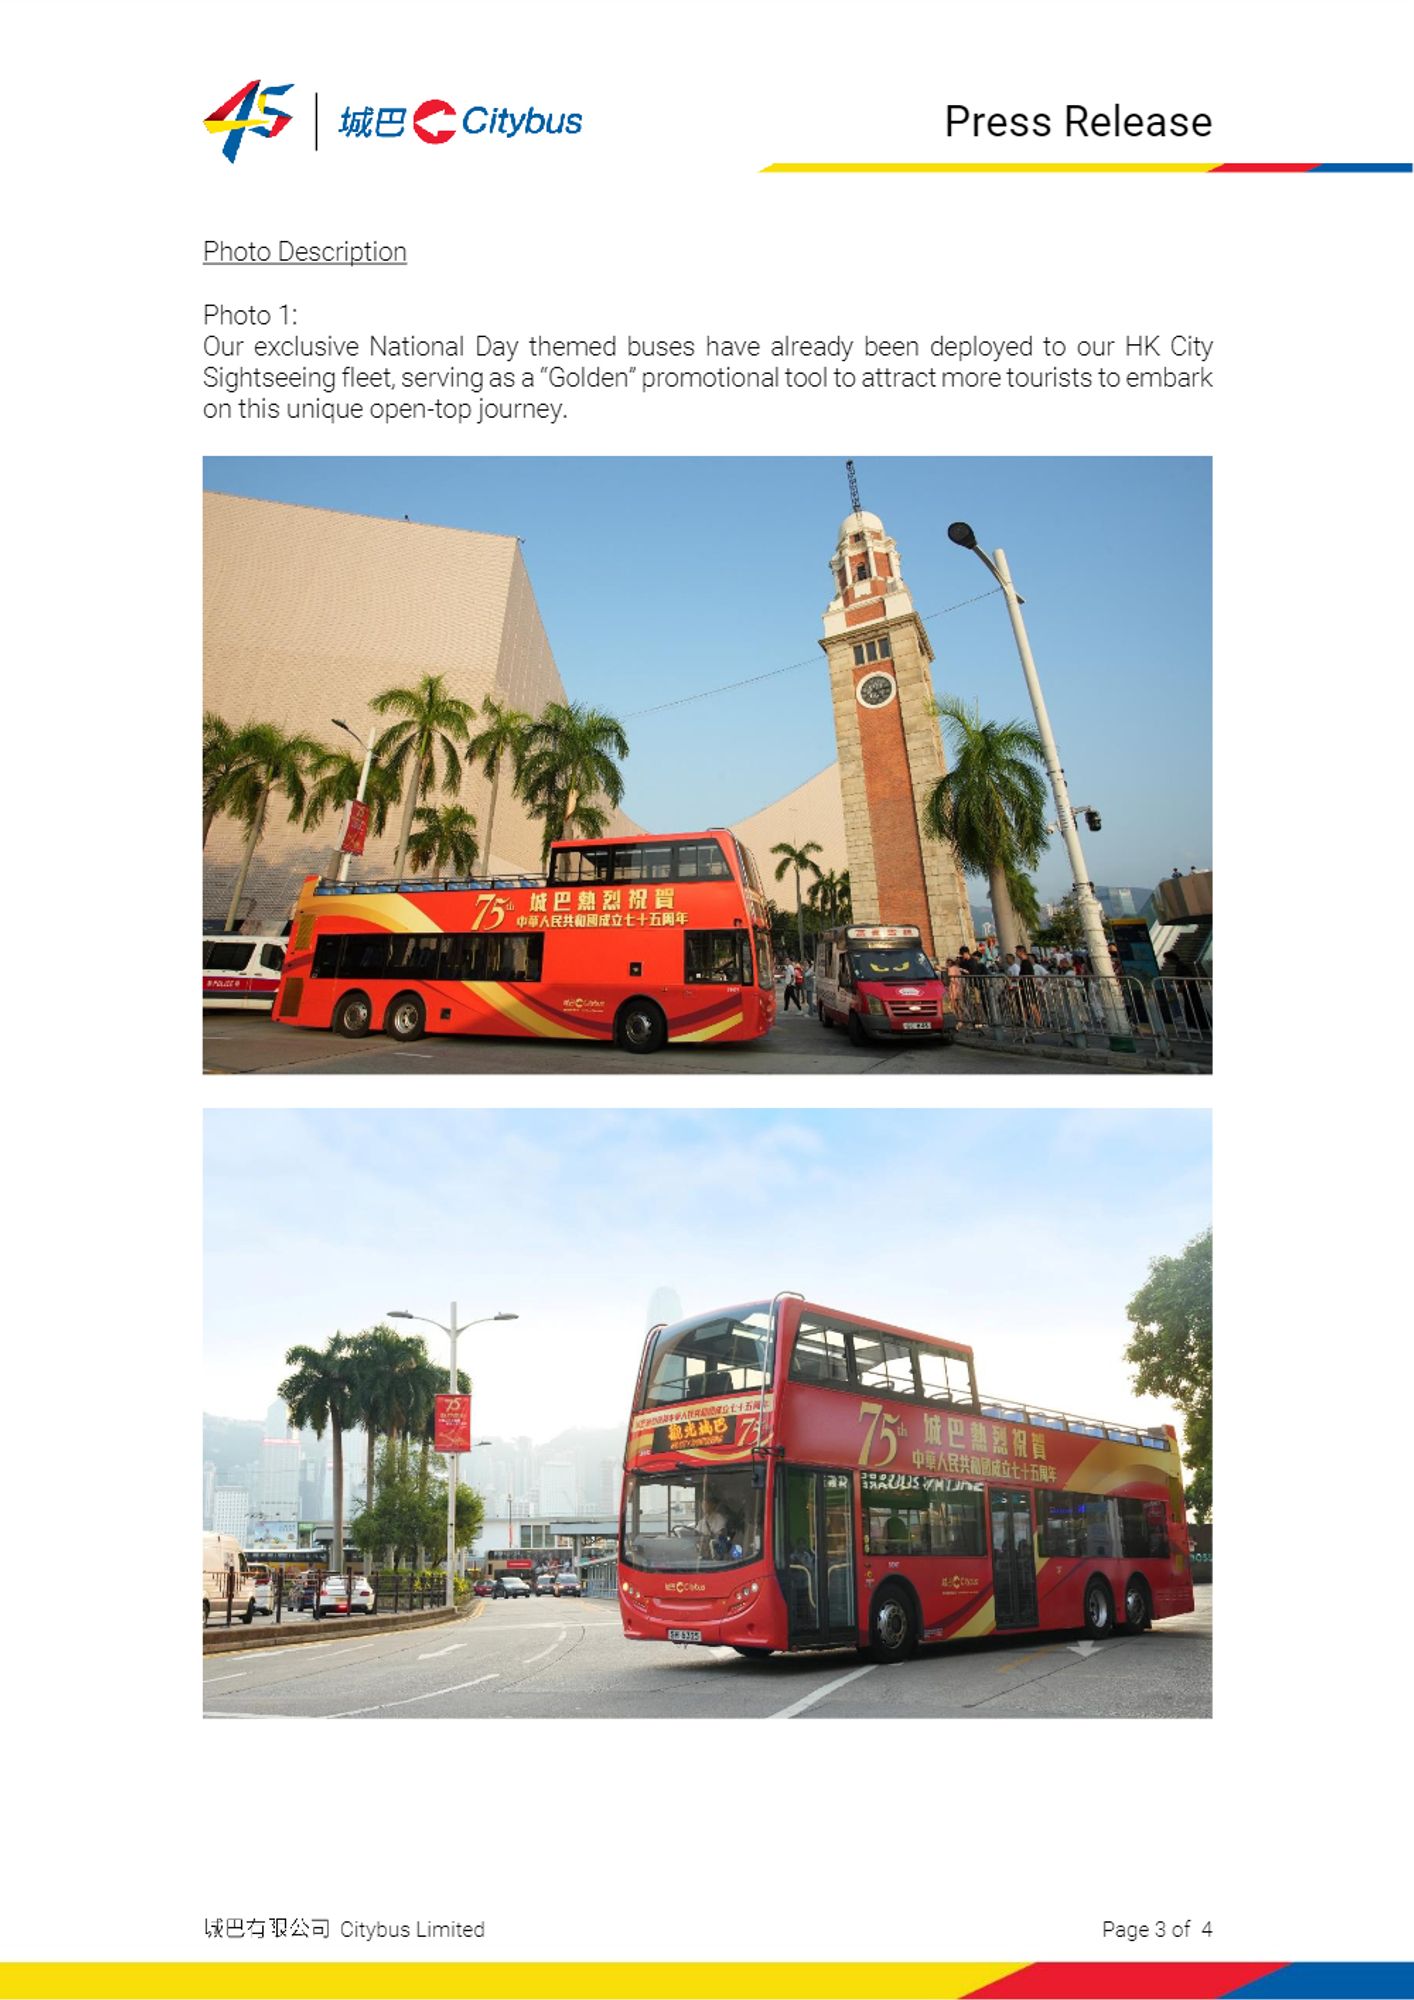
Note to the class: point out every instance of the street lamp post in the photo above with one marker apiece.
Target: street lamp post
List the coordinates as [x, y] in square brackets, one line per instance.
[1087, 903]
[367, 749]
[452, 1330]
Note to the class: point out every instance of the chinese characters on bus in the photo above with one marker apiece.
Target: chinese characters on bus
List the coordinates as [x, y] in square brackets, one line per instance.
[602, 909]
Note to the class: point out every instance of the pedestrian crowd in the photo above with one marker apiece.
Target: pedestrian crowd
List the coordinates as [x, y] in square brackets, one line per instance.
[796, 978]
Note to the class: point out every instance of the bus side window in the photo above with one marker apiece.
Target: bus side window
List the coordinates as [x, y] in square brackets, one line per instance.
[326, 957]
[933, 1376]
[821, 1354]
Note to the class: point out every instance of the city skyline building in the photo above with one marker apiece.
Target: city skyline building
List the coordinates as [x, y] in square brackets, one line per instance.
[230, 1506]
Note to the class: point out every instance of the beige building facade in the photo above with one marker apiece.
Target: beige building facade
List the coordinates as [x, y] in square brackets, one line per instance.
[309, 613]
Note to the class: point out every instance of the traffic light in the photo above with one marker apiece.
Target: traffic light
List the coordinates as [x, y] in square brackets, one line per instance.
[1092, 819]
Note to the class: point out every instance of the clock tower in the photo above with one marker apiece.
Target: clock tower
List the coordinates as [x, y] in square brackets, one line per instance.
[890, 747]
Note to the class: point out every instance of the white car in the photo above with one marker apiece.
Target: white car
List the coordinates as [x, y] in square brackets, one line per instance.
[344, 1594]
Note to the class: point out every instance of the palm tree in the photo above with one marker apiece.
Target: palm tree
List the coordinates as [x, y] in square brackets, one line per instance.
[429, 720]
[444, 838]
[334, 781]
[271, 762]
[800, 859]
[1025, 906]
[384, 1371]
[503, 736]
[569, 763]
[222, 765]
[991, 806]
[319, 1397]
[828, 896]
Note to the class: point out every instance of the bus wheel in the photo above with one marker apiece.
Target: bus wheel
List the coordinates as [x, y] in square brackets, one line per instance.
[353, 1016]
[753, 1652]
[893, 1633]
[1099, 1611]
[856, 1030]
[1138, 1612]
[640, 1028]
[406, 1018]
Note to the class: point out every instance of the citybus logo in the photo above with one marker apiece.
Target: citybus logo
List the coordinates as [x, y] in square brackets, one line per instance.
[245, 111]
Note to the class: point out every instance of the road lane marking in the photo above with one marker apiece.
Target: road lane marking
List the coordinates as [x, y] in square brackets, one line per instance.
[442, 1650]
[374, 1706]
[545, 1653]
[222, 1677]
[809, 1700]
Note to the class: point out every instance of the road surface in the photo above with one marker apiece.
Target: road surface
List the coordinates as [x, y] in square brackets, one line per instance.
[236, 1044]
[543, 1660]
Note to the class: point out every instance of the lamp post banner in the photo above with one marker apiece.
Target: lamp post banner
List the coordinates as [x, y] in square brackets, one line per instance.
[453, 1426]
[356, 832]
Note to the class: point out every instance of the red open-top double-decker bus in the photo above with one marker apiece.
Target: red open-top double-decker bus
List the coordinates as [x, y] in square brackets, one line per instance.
[639, 942]
[796, 1477]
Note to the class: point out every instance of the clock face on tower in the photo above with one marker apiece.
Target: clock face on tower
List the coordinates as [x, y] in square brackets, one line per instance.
[876, 691]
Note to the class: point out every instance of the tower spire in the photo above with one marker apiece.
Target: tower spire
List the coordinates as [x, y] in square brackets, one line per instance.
[853, 487]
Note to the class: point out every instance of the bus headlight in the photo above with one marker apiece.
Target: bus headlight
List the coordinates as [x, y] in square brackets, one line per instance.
[747, 1591]
[876, 1005]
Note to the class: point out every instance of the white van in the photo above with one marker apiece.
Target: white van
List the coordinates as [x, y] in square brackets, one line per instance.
[241, 971]
[223, 1570]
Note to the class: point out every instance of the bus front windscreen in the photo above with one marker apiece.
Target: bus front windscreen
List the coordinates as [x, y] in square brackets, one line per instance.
[724, 1354]
[691, 1519]
[893, 964]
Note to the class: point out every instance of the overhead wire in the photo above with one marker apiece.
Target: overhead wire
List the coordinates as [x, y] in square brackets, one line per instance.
[774, 673]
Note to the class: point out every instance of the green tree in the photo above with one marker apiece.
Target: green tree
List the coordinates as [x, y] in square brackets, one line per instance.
[1171, 1352]
[320, 1396]
[271, 763]
[223, 764]
[403, 1520]
[991, 806]
[334, 777]
[568, 764]
[430, 722]
[1025, 906]
[385, 1390]
[503, 736]
[799, 860]
[1065, 928]
[828, 896]
[443, 838]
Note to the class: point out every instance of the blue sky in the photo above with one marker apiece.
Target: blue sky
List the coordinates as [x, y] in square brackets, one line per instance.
[724, 561]
[1023, 1234]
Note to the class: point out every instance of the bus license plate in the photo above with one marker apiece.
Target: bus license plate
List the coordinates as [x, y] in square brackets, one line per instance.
[684, 1638]
[906, 1025]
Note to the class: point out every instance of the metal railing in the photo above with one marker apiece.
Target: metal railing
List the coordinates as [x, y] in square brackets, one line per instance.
[1167, 1017]
[393, 1590]
[601, 1576]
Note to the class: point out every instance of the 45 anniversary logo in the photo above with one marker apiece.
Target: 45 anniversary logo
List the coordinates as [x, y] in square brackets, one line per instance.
[247, 110]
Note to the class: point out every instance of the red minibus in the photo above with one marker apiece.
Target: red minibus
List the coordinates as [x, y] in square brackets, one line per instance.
[630, 941]
[798, 1478]
[877, 981]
